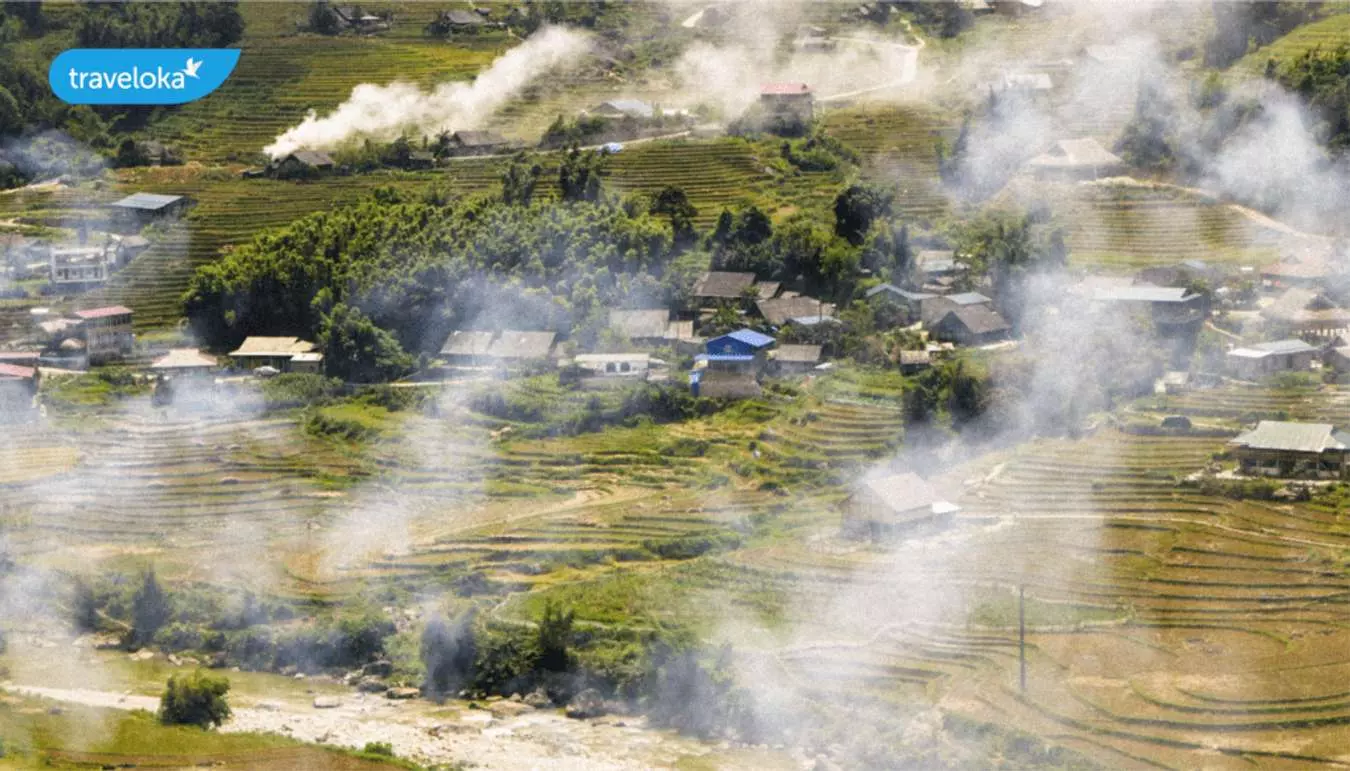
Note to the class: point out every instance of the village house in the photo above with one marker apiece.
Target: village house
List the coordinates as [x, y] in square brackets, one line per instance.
[184, 363]
[1312, 267]
[1179, 274]
[783, 309]
[353, 18]
[1016, 7]
[907, 304]
[812, 39]
[1307, 312]
[794, 359]
[1254, 362]
[744, 350]
[79, 268]
[1076, 159]
[971, 325]
[18, 387]
[513, 346]
[458, 21]
[723, 384]
[618, 109]
[1279, 448]
[476, 143]
[894, 504]
[934, 307]
[131, 247]
[1173, 310]
[719, 286]
[788, 101]
[937, 269]
[283, 354]
[600, 370]
[767, 290]
[140, 209]
[654, 328]
[466, 347]
[301, 163]
[159, 154]
[107, 332]
[914, 362]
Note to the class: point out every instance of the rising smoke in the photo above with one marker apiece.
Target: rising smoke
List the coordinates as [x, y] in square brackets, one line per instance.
[382, 113]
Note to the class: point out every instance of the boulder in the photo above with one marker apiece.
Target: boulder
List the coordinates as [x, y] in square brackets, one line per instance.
[402, 693]
[371, 685]
[327, 702]
[588, 703]
[380, 668]
[538, 699]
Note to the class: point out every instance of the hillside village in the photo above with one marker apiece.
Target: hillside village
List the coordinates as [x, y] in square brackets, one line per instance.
[957, 388]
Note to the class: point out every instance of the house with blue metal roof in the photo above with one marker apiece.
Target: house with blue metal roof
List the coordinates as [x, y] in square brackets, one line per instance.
[744, 350]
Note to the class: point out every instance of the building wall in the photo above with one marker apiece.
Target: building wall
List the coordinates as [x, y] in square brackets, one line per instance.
[108, 337]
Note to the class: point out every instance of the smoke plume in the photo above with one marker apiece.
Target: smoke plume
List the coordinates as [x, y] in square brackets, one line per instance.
[384, 112]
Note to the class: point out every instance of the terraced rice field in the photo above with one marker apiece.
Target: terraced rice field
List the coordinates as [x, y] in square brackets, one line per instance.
[282, 74]
[898, 145]
[1121, 228]
[1327, 33]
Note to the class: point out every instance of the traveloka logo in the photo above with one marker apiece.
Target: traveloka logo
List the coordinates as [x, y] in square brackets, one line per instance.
[139, 75]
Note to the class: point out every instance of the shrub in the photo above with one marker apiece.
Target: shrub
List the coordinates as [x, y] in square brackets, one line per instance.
[383, 749]
[555, 638]
[195, 699]
[448, 651]
[298, 390]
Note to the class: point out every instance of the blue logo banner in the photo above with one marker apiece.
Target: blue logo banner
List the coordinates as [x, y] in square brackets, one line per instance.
[139, 75]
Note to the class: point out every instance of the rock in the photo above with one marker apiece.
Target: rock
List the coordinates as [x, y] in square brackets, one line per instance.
[288, 670]
[539, 699]
[402, 693]
[299, 675]
[327, 702]
[378, 668]
[504, 709]
[143, 654]
[270, 706]
[372, 685]
[514, 697]
[588, 703]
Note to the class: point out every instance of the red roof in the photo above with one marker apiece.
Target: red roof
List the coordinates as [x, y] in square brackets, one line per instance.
[785, 88]
[98, 313]
[8, 371]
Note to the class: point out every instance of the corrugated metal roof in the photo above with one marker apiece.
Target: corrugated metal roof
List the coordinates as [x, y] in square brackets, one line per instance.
[898, 292]
[522, 344]
[722, 284]
[906, 493]
[1149, 294]
[1275, 348]
[272, 346]
[467, 342]
[147, 201]
[969, 298]
[1292, 437]
[750, 337]
[785, 89]
[184, 358]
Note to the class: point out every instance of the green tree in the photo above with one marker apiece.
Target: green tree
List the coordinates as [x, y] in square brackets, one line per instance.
[579, 175]
[857, 208]
[195, 699]
[672, 202]
[322, 20]
[520, 180]
[1147, 141]
[150, 610]
[84, 604]
[355, 349]
[555, 638]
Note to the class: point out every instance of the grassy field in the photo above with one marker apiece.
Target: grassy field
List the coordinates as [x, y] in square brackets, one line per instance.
[1327, 33]
[39, 735]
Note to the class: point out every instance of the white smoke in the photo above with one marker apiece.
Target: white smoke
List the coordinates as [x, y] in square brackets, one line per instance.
[384, 112]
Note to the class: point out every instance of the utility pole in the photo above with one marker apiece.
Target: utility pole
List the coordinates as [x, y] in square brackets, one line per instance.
[1022, 634]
